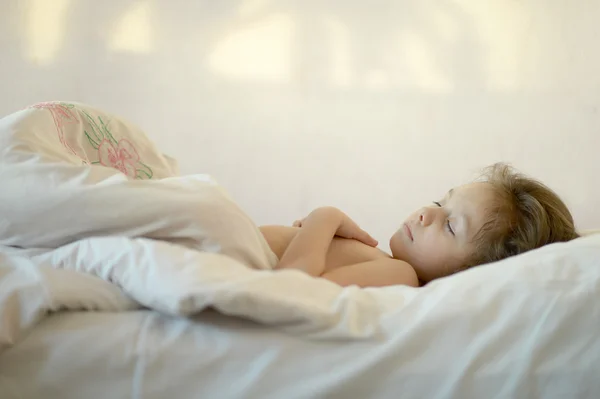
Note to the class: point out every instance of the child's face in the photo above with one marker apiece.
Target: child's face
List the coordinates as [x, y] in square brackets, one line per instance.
[437, 240]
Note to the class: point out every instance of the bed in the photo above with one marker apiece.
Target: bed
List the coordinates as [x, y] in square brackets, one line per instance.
[166, 289]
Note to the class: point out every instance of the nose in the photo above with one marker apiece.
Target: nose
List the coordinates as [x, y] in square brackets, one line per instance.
[426, 217]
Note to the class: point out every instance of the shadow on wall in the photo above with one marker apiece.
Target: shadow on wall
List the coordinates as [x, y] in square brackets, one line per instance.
[431, 47]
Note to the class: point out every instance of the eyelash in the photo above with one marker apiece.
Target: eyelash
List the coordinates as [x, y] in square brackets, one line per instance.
[447, 221]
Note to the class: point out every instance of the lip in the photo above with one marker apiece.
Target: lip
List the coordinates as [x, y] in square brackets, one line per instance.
[408, 232]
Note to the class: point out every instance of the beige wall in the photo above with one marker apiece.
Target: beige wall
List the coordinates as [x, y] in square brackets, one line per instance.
[373, 106]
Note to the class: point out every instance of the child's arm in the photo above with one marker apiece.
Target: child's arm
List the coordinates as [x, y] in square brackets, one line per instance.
[376, 273]
[308, 250]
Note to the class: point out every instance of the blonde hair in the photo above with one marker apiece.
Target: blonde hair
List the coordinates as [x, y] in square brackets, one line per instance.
[526, 215]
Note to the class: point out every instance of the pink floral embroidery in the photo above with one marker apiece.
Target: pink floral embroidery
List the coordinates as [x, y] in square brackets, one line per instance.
[123, 156]
[62, 115]
[120, 155]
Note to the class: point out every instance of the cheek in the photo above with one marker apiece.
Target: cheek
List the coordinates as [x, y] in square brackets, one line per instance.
[432, 258]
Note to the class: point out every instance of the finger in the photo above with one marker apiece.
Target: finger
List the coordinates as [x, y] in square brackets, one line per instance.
[366, 238]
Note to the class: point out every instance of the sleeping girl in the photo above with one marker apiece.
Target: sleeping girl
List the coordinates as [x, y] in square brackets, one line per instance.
[501, 215]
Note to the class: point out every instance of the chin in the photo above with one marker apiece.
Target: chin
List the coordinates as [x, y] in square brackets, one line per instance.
[396, 246]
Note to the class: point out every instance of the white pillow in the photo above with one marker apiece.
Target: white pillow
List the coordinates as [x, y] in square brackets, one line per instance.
[589, 232]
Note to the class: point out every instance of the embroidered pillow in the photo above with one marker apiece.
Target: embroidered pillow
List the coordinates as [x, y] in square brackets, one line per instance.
[80, 134]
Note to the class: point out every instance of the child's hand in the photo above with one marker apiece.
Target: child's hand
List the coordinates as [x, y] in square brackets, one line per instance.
[347, 228]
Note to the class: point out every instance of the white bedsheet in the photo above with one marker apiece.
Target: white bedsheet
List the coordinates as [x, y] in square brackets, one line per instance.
[459, 350]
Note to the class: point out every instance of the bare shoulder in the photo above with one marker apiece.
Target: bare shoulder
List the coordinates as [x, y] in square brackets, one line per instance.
[376, 273]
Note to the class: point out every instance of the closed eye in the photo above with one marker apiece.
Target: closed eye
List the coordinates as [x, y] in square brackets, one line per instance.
[450, 228]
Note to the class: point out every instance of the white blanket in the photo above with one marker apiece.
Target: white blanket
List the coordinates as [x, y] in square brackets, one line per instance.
[81, 236]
